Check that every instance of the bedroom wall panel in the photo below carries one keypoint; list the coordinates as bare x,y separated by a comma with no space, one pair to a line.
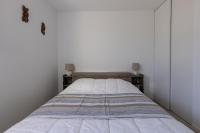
162,54
107,41
28,60
182,58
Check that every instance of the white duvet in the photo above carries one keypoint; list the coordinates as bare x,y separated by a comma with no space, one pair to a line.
101,86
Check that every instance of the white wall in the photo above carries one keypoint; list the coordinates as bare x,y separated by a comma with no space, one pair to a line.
162,54
182,58
196,91
28,60
107,41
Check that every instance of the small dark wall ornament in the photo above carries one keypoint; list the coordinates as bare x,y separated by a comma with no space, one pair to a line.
43,28
25,14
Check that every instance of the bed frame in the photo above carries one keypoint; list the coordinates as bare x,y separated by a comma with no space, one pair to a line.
102,75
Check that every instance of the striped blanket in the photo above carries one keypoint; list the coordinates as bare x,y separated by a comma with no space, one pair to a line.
100,106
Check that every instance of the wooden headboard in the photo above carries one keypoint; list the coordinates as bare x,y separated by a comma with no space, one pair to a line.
102,75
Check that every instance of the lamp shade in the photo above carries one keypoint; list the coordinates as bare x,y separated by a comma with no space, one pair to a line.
69,67
136,66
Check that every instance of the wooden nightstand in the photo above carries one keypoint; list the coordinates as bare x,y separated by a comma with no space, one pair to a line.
138,81
67,80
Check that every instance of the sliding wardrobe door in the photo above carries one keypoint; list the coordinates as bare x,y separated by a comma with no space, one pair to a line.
196,90
162,54
182,58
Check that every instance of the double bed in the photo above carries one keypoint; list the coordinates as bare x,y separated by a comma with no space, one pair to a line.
100,106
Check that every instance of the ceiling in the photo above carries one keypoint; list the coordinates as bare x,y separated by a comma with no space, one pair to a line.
105,5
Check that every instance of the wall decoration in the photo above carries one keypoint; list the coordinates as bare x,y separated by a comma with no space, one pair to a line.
43,28
25,14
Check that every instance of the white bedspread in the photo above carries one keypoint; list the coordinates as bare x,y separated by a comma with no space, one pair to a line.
91,86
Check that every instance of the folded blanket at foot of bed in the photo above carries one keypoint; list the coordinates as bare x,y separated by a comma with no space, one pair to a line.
100,106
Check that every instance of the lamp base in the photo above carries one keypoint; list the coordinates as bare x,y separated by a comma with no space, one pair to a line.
136,73
68,73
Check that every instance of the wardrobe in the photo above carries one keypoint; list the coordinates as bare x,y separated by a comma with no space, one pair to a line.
176,77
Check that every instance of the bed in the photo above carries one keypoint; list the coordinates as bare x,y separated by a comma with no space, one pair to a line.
95,105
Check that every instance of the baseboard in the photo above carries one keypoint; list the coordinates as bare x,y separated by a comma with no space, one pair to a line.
195,128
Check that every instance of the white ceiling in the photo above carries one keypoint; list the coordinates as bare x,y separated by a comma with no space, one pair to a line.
105,5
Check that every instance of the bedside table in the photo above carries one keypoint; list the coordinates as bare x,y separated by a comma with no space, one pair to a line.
138,81
67,80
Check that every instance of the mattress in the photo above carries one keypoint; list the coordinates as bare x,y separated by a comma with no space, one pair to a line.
40,123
